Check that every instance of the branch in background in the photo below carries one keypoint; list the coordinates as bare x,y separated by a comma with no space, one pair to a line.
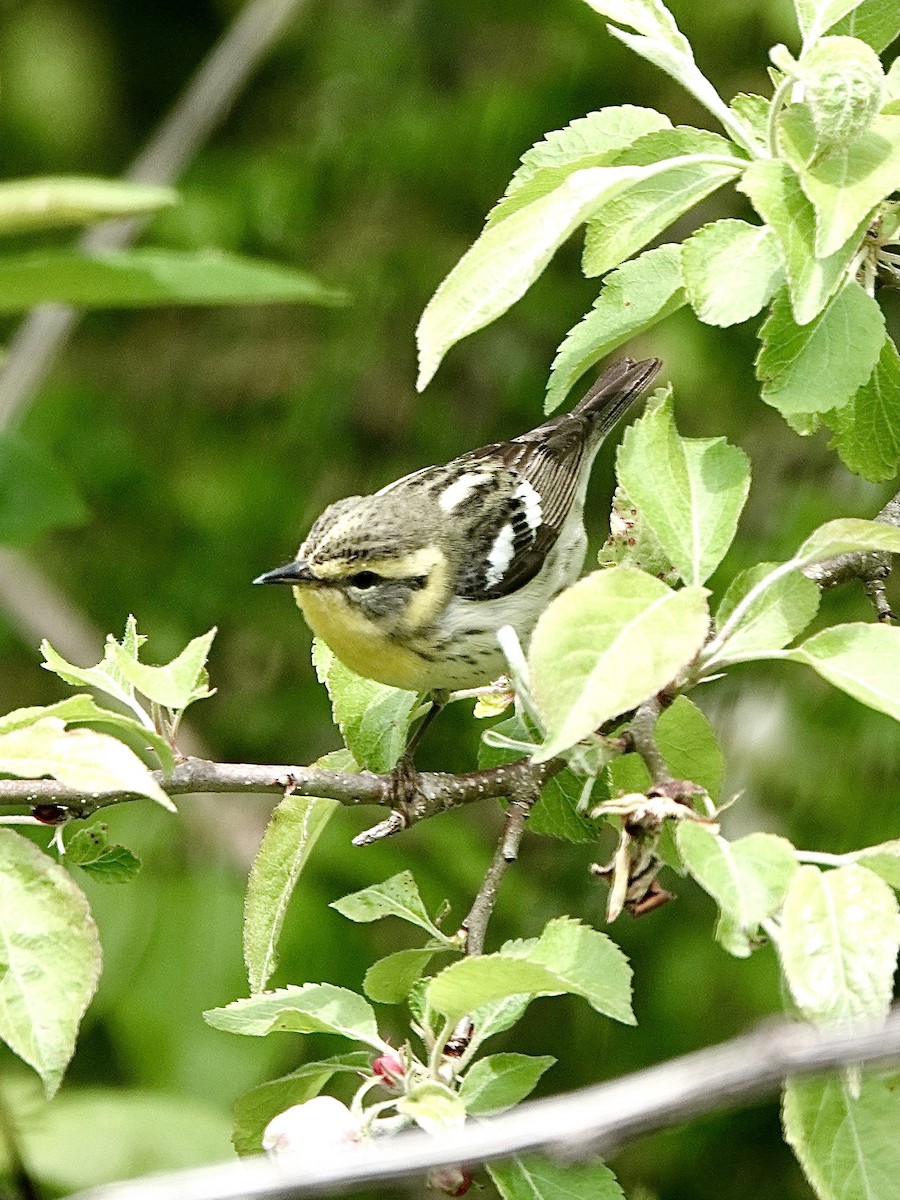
872,569
595,1120
437,791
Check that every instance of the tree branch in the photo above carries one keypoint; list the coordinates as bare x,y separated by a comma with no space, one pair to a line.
592,1121
437,791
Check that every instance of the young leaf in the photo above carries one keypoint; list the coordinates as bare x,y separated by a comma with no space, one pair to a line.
840,931
396,897
567,957
509,255
680,167
650,18
862,660
867,428
312,1008
391,979
433,1106
817,16
536,1178
36,495
691,491
372,717
875,22
731,270
819,366
748,879
845,1138
605,645
636,296
49,958
295,826
80,758
778,614
255,1109
55,202
633,543
843,86
92,850
500,1081
175,685
851,182
591,141
884,860
847,535
497,1016
149,277
687,741
775,192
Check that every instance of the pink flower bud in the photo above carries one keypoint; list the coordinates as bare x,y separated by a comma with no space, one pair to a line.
389,1068
310,1130
452,1181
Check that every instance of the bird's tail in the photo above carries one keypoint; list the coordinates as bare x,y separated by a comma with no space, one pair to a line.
619,385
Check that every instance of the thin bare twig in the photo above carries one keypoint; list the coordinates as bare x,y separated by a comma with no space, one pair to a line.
641,730
591,1121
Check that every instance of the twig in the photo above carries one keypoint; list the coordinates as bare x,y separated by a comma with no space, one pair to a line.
475,925
641,733
205,102
437,791
591,1121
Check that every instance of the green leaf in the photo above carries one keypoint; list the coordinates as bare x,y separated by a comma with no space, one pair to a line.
391,979
49,957
255,1109
776,193
847,535
753,111
35,494
433,1106
591,141
884,860
840,931
819,366
731,270
846,188
55,202
635,297
81,758
670,178
509,255
867,428
497,1016
176,684
150,277
632,541
312,1008
876,22
691,491
687,741
816,16
862,660
650,18
500,1081
748,879
846,1138
567,957
535,1178
779,613
605,645
294,828
107,862
395,897
843,87
373,718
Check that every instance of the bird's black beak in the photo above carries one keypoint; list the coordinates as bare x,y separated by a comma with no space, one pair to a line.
292,573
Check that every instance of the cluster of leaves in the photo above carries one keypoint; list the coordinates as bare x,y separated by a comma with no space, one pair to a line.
818,163
624,636
51,955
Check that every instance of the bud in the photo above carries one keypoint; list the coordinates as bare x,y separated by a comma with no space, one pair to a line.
452,1181
389,1068
310,1130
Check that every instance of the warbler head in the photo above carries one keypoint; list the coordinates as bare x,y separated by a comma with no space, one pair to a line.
370,559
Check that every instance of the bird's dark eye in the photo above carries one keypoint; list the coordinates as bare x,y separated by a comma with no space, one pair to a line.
364,579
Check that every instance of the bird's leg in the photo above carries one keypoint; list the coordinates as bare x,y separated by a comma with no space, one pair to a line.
405,777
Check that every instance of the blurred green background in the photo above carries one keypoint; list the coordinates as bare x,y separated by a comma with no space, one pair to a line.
203,443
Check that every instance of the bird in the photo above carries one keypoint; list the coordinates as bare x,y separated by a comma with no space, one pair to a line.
410,586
